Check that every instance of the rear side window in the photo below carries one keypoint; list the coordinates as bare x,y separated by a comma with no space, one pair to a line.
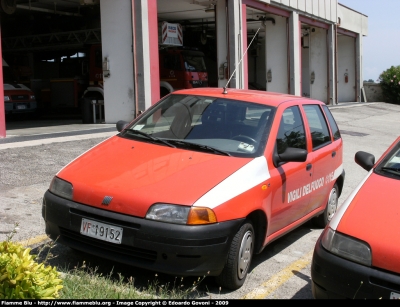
332,123
318,126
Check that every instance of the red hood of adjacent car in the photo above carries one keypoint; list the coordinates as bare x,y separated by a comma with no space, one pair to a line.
374,217
138,174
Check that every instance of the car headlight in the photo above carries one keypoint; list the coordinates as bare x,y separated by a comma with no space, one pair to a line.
181,214
33,97
6,98
346,247
61,188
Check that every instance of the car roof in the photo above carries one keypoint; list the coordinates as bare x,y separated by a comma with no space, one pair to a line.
262,97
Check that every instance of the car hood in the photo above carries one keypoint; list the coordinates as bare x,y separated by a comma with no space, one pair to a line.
138,174
374,217
15,86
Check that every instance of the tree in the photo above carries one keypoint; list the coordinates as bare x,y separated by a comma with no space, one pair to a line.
390,84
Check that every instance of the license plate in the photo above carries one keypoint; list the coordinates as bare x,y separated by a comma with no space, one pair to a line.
20,107
394,296
101,231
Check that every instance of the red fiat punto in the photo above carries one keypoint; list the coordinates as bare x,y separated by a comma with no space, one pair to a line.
358,254
201,181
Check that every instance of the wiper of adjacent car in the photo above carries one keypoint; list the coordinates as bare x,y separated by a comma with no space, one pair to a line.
199,146
392,169
148,136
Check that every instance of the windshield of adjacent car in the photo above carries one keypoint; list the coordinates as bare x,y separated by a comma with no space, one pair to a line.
208,124
390,165
8,75
194,63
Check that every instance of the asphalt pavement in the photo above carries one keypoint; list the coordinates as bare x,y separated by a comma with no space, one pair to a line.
34,151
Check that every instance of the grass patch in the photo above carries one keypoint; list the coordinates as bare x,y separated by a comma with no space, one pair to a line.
87,283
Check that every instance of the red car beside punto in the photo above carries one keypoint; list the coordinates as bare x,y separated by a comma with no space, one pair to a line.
358,253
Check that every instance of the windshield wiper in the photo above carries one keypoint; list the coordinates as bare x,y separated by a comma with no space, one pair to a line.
149,137
391,169
199,146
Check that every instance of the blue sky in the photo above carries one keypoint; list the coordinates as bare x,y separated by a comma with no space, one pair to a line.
381,47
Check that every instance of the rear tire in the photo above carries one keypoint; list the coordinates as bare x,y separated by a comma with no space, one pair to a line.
239,257
330,210
163,92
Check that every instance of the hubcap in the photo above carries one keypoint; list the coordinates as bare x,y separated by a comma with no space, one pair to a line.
332,204
245,251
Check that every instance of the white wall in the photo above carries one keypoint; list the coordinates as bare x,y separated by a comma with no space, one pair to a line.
319,64
373,91
295,55
352,20
116,36
305,72
346,64
326,9
234,11
222,48
276,54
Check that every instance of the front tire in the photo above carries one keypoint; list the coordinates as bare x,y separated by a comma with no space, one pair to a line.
331,208
239,258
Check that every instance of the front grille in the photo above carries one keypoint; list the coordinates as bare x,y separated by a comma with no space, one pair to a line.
19,97
199,83
123,250
386,283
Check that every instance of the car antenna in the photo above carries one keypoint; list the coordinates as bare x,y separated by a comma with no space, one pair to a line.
225,91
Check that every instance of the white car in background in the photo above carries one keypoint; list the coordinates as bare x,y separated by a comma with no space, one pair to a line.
18,98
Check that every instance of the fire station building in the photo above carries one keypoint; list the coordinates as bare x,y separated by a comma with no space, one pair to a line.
310,48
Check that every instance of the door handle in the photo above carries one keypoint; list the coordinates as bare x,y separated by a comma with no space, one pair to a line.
309,166
333,153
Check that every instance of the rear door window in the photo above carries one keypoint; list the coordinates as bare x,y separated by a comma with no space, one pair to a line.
318,127
332,123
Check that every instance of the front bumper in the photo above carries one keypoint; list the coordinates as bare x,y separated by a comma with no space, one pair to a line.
20,107
335,277
162,247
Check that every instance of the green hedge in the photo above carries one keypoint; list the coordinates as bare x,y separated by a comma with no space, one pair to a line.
23,278
390,84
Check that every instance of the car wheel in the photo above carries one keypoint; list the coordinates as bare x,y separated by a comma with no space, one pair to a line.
163,92
331,207
239,258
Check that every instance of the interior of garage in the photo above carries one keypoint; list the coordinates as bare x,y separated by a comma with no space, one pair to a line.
268,59
47,46
47,43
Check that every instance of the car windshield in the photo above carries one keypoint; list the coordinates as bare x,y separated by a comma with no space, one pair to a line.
390,165
194,62
8,75
208,124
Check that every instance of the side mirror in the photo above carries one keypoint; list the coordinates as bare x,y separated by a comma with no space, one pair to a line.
121,125
291,154
365,160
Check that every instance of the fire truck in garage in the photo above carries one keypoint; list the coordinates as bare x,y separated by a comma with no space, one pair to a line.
180,68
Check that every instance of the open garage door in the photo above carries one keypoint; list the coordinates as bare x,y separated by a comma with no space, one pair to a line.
187,44
49,48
